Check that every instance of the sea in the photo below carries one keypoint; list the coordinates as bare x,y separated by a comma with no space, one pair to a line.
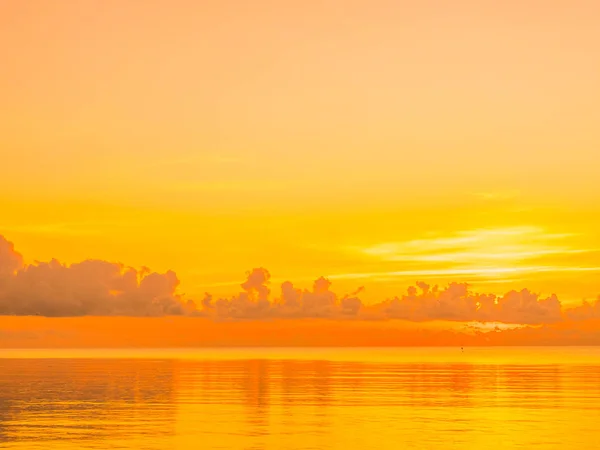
301,398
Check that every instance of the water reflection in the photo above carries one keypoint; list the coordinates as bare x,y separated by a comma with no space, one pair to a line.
255,393
274,403
52,400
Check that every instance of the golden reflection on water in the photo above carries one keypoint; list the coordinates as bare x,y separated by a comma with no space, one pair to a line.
546,398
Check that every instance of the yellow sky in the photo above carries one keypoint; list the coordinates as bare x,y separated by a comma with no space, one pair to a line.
377,143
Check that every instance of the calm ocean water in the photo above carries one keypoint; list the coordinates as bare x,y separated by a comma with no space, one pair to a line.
425,398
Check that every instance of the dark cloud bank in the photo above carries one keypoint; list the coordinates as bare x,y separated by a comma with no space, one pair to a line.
100,288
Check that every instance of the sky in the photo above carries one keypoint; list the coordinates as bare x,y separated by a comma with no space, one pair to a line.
376,144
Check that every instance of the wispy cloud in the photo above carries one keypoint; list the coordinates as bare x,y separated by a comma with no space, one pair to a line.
500,254
478,252
498,195
61,228
198,159
233,185
471,272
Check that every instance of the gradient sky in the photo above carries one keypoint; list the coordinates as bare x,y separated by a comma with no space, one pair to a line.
375,143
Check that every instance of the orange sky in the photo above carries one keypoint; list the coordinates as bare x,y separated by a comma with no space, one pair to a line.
182,332
375,143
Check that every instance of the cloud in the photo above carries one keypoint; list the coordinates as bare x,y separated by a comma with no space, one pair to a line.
87,288
421,303
10,260
101,288
254,303
456,303
585,311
